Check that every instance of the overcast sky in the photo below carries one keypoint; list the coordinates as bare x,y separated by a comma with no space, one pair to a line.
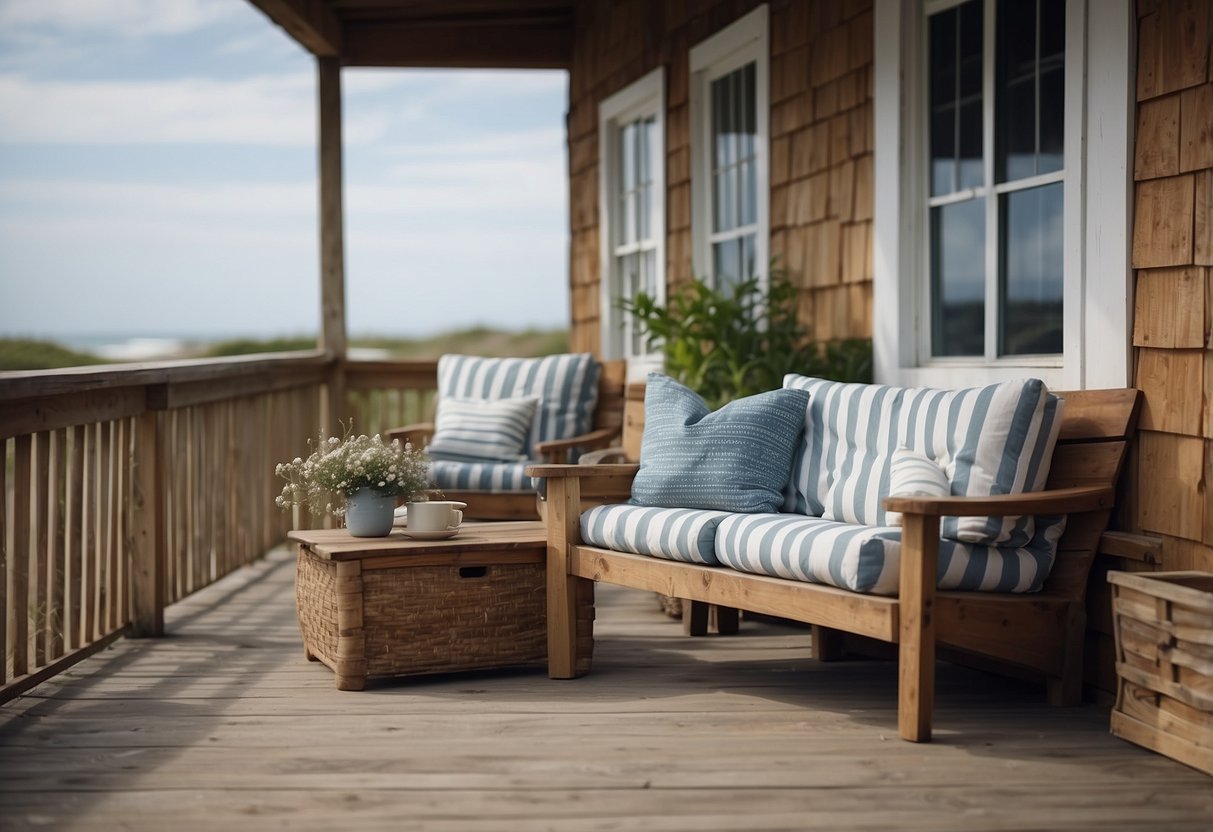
157,177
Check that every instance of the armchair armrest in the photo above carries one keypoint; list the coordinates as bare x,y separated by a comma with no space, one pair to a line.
1052,501
612,454
419,434
557,450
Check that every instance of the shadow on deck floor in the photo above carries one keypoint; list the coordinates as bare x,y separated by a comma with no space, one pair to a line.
223,723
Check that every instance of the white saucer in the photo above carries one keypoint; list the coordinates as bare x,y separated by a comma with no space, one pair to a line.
438,535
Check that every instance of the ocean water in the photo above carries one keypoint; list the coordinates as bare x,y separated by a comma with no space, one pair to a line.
130,347
158,347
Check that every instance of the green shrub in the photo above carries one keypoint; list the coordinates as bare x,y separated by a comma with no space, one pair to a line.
725,345
29,354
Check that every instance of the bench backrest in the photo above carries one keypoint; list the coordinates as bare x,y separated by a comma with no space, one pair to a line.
1091,448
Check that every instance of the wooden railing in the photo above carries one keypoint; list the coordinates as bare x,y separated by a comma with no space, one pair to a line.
388,394
129,487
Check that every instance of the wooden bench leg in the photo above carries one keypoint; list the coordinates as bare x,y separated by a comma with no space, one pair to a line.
916,649
563,510
728,619
827,644
695,617
1066,691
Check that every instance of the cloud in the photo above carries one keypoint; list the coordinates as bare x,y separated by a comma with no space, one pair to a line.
126,18
486,189
267,110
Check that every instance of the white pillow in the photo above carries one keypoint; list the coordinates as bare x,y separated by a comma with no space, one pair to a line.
914,474
482,429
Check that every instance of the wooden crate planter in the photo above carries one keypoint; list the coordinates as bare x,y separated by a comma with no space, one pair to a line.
1164,662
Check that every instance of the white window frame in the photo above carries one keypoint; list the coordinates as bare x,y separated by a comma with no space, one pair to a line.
643,98
744,41
1097,295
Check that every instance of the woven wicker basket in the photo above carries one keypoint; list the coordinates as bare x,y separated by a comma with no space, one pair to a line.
412,620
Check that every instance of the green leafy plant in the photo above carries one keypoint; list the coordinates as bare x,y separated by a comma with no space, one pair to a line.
729,344
340,467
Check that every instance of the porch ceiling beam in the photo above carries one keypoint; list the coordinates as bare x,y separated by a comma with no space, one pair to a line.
310,22
408,44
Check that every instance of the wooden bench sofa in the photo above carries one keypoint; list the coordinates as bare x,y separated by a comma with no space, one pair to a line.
1041,632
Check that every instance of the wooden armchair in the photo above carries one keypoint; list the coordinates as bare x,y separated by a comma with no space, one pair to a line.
525,504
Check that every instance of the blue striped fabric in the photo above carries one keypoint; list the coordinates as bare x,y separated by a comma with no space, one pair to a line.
681,534
1000,439
735,459
868,558
567,387
482,429
915,475
481,476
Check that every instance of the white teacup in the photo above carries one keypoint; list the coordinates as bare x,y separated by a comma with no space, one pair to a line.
435,515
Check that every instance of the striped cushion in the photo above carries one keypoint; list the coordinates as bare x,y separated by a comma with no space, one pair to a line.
867,558
482,429
915,475
736,459
1000,439
567,387
481,476
672,533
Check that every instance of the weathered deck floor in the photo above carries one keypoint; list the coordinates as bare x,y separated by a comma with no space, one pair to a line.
223,724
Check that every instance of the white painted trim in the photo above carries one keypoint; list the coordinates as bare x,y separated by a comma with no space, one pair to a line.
643,97
743,41
1098,282
1111,100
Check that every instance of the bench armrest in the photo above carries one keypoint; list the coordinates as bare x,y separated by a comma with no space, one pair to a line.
557,450
419,434
1053,501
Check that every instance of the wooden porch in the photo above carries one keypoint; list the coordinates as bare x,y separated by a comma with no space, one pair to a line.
224,723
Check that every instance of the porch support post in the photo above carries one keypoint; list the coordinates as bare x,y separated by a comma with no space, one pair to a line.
332,235
147,529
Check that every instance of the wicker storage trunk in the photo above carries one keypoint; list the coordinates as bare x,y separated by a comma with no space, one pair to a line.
381,609
1164,661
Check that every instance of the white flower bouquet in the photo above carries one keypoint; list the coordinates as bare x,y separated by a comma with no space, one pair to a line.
343,466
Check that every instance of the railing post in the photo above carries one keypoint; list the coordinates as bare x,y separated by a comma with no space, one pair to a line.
147,529
332,237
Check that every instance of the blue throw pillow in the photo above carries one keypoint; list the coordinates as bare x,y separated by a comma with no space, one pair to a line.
738,458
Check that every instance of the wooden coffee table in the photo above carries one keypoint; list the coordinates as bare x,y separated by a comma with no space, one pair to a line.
380,607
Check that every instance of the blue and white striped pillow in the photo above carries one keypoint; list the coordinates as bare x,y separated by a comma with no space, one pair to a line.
482,429
735,459
1000,439
567,387
915,475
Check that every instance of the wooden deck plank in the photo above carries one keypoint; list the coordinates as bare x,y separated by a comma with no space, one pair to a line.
223,722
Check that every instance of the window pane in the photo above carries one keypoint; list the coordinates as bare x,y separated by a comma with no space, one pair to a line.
971,167
627,157
1052,121
749,193
726,263
958,282
943,150
748,270
1052,85
1029,89
719,130
956,101
1031,269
